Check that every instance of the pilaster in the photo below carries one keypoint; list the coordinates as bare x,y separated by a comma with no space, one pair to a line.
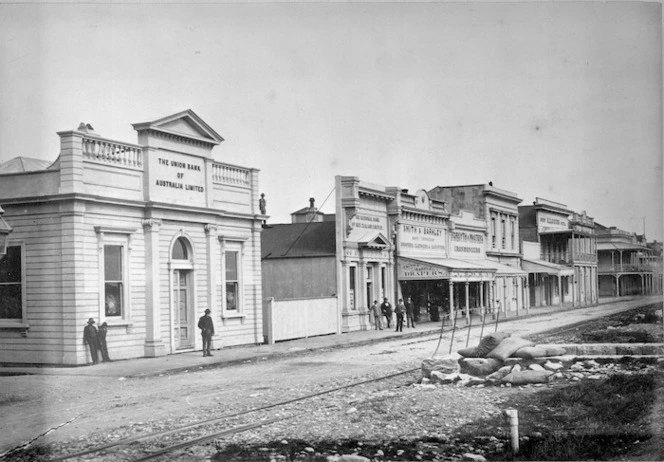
71,162
154,345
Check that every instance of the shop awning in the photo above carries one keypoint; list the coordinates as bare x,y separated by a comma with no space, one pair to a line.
541,266
442,268
504,270
618,247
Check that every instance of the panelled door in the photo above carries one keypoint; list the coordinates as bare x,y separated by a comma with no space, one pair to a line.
182,309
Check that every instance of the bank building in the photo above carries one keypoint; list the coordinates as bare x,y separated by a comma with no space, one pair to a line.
143,236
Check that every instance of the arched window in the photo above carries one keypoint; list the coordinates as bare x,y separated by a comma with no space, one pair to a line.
179,251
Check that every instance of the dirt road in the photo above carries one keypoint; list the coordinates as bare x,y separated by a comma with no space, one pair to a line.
95,408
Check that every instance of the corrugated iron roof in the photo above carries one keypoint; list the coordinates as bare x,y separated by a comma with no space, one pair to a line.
316,239
24,164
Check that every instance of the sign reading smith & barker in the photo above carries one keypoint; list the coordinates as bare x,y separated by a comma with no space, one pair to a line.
178,178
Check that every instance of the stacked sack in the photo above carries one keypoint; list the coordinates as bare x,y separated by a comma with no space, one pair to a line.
486,359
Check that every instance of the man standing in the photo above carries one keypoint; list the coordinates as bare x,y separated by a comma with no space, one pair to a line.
206,326
90,337
400,311
375,310
103,347
386,309
410,313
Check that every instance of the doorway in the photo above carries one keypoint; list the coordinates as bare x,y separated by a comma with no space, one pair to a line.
182,309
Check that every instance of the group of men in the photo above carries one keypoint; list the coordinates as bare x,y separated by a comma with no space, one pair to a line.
402,310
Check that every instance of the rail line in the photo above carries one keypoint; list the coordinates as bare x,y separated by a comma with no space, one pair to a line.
221,419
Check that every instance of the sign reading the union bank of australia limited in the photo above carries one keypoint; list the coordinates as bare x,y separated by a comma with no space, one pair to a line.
421,241
177,178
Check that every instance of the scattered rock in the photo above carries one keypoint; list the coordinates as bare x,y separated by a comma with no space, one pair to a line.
551,366
469,456
446,364
479,366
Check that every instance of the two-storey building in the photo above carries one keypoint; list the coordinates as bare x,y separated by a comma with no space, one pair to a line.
143,236
560,255
627,265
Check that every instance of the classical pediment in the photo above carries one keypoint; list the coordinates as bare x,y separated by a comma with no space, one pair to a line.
374,241
186,124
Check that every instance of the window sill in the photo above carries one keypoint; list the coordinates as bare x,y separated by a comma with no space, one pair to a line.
117,323
14,325
23,327
231,315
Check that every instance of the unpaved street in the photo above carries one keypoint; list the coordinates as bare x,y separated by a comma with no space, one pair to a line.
101,406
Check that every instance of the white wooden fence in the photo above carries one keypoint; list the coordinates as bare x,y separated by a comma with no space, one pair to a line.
300,318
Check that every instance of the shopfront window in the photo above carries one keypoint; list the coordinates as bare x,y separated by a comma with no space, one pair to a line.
11,285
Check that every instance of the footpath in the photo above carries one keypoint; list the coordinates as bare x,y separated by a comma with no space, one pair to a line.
190,361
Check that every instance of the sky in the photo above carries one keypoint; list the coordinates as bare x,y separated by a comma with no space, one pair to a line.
559,100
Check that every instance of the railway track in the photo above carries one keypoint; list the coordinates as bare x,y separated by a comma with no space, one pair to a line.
226,421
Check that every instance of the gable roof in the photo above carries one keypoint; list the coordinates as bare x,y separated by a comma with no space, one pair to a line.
186,124
24,164
315,239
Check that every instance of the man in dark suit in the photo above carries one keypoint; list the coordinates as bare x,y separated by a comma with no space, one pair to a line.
386,309
206,326
90,337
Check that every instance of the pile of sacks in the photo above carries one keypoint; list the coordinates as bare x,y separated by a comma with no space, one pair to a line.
487,360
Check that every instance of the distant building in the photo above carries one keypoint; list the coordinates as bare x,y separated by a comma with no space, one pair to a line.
627,264
559,253
141,236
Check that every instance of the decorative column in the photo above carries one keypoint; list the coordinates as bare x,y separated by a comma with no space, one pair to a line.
560,291
154,346
467,284
516,293
494,300
451,287
213,268
482,288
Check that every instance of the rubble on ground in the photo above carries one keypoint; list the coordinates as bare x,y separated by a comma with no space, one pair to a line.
504,360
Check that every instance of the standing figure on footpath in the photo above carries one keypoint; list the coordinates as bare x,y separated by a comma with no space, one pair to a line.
206,326
375,310
410,313
386,309
90,337
400,311
101,335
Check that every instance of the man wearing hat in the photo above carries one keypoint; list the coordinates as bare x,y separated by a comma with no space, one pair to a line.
90,337
206,326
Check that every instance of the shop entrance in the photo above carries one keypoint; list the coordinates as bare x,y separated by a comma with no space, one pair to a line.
182,308
430,297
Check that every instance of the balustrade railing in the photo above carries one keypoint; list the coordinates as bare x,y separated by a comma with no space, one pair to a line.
111,152
230,175
625,268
